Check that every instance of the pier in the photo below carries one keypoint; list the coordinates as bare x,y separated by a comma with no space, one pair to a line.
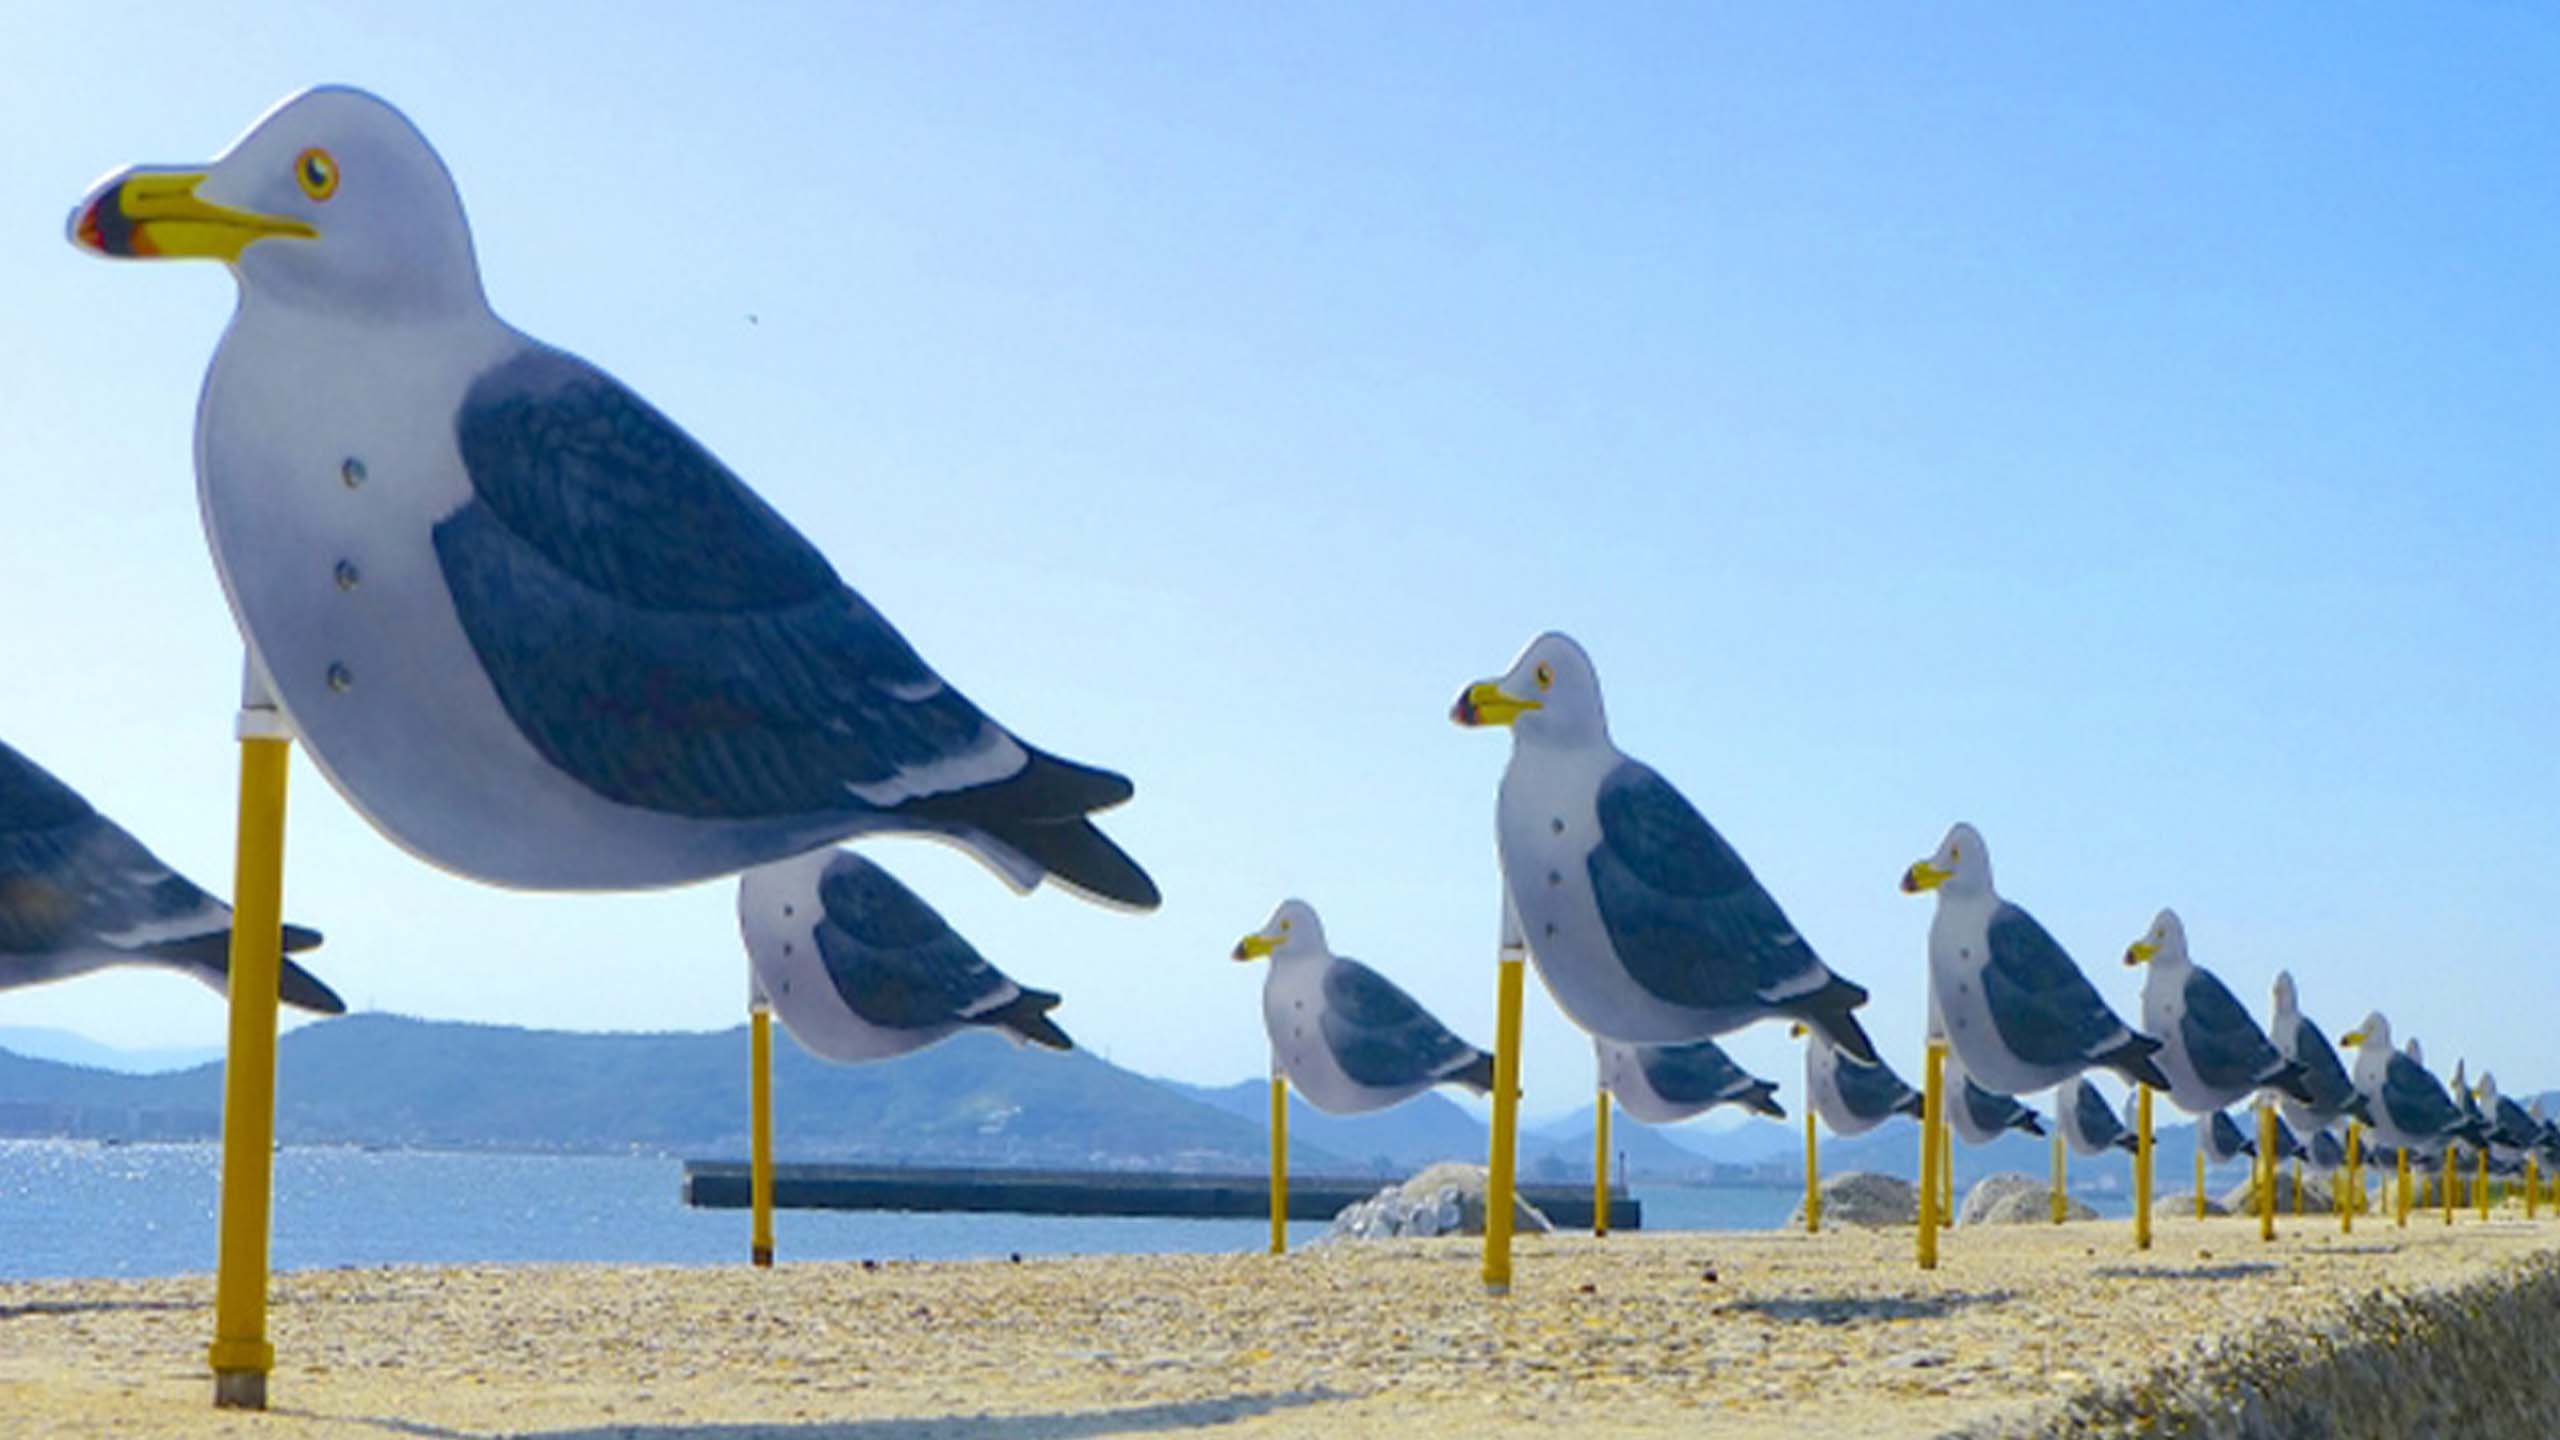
722,1185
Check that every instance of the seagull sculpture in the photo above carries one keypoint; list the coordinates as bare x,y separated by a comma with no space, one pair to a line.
858,967
2333,1093
1346,1036
78,894
2004,993
1665,1084
2212,1052
1646,926
2410,1109
2088,1122
1851,1096
532,630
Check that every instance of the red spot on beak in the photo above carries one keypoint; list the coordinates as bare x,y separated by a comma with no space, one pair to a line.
1463,712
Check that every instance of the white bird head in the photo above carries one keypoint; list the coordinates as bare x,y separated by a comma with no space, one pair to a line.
2373,1035
333,202
2163,945
2286,1003
2487,1093
1292,932
1961,866
1550,695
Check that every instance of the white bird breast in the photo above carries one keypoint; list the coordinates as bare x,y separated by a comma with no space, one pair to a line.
778,914
325,457
1959,950
1546,823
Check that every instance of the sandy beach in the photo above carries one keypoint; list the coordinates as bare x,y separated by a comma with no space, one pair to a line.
1755,1334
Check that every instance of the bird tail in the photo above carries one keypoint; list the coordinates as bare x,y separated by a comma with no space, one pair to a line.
1476,1074
1827,1009
1039,813
1026,1018
208,958
2295,1081
1762,1099
1915,1105
2127,1143
2360,1109
2132,1060
2028,1122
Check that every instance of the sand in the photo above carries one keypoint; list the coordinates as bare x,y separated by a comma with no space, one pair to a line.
1639,1334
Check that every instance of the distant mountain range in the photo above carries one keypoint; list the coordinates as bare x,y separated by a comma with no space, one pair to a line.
388,1080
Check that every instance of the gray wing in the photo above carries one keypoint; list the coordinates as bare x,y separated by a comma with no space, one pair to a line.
2226,1047
2227,1138
2326,1152
1872,1092
1692,1074
2046,1011
71,877
2323,1073
1682,911
893,959
2515,1124
662,635
2089,1110
2415,1100
1379,1036
1993,1113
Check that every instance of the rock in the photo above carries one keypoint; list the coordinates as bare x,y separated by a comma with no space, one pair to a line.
2183,1202
1859,1197
2011,1198
1992,1190
1446,1199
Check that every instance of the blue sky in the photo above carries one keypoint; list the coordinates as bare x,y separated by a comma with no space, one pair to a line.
2130,432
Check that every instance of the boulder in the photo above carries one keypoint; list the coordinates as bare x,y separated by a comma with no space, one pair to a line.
2011,1198
1859,1197
1445,1199
2183,1202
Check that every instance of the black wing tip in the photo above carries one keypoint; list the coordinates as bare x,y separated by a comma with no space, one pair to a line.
2133,1061
303,990
1830,1008
1763,1100
298,938
1027,1016
2294,1079
1079,856
2126,1143
1915,1105
2028,1122
1476,1074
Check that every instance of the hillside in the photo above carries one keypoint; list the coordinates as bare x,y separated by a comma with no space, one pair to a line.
390,1080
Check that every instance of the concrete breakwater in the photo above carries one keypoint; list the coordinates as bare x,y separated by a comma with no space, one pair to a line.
2473,1357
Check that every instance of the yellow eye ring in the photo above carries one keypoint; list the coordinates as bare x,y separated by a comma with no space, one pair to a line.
1546,675
316,171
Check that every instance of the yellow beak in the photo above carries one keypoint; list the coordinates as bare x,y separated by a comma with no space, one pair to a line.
2351,1038
1254,947
1486,703
2139,951
154,214
1796,1031
1923,876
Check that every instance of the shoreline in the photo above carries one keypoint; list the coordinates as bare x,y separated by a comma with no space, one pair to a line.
1754,1332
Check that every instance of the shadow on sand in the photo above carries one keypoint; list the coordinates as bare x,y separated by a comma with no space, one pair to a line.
87,1307
1077,1425
1851,1310
2236,1270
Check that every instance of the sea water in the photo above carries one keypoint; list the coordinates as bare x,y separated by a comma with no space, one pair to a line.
77,1208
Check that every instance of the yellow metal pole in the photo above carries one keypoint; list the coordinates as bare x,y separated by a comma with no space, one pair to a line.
2268,1169
2141,1166
1280,1162
240,1354
1933,1117
2348,1179
2297,1187
2480,1183
2200,1171
1812,1176
2401,1209
1600,1163
2449,1165
760,1133
1506,1125
1946,1169
2061,1200
2532,1188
